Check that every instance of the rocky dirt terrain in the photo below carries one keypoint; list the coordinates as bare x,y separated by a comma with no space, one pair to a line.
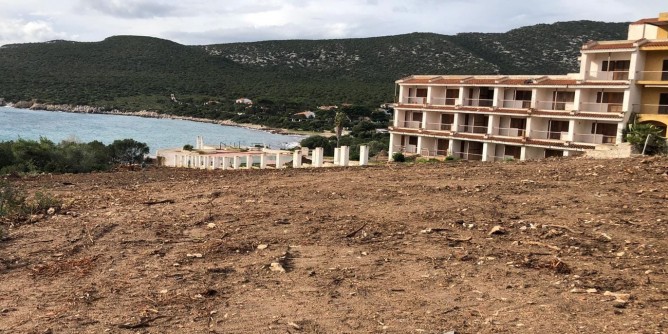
555,246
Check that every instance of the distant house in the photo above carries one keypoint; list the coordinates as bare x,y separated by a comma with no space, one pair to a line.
301,116
328,108
306,114
243,100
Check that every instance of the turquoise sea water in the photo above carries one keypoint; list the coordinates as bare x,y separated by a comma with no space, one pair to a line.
157,133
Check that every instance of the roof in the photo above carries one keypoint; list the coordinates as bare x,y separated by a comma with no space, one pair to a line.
609,46
653,21
656,44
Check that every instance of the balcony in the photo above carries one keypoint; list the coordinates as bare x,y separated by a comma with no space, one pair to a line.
652,76
468,156
477,129
654,109
443,101
594,139
556,106
601,107
516,104
433,153
410,124
550,135
415,100
608,75
439,126
478,102
509,132
410,149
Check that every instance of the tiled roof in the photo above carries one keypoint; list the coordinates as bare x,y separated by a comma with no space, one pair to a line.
416,81
647,21
446,81
610,46
655,44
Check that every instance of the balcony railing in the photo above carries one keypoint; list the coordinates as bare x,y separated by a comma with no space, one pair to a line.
653,76
439,126
601,107
415,100
478,102
410,124
594,139
552,135
443,101
433,153
472,129
412,149
516,104
509,132
553,105
608,75
660,109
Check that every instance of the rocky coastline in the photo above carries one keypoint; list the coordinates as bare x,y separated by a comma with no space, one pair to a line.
84,109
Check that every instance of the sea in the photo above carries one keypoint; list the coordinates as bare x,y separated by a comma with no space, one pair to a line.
157,133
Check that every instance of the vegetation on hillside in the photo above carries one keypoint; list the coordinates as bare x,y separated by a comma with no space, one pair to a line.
134,73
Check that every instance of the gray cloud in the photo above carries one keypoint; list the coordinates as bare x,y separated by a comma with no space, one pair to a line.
133,9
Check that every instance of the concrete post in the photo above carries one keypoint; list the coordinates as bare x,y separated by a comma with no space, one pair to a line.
318,156
249,161
344,156
337,155
225,163
263,160
237,162
305,151
278,161
297,159
364,155
390,151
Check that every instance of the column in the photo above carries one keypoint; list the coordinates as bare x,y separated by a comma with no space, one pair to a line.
488,151
226,163
571,130
418,148
318,156
492,123
237,162
390,151
279,165
364,155
455,122
263,160
249,161
344,156
523,153
297,159
337,155
498,97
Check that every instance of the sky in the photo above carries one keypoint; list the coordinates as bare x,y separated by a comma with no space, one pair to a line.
199,22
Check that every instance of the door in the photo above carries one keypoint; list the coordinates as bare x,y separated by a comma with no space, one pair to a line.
442,146
556,128
664,71
446,121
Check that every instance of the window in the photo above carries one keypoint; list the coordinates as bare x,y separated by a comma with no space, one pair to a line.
613,99
619,68
451,96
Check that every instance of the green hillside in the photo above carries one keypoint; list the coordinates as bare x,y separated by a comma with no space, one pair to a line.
129,72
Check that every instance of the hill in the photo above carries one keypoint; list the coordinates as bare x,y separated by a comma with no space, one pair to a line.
130,72
384,249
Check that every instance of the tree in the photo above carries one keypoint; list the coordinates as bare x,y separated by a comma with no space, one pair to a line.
128,151
639,134
339,119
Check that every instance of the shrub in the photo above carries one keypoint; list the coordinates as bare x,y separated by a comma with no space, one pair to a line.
450,158
14,203
639,134
188,147
398,157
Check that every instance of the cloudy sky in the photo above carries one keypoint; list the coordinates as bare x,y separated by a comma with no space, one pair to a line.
221,21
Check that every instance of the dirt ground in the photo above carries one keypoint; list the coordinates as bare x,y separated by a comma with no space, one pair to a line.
580,247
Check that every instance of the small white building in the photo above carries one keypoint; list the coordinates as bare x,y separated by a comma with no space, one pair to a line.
243,100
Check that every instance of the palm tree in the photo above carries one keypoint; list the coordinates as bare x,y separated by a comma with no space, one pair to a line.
646,138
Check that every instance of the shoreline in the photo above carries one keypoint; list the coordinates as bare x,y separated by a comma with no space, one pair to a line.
153,114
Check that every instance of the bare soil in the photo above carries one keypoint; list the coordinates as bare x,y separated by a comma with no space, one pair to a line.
580,247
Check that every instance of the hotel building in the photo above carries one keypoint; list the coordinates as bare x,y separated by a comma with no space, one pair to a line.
496,117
